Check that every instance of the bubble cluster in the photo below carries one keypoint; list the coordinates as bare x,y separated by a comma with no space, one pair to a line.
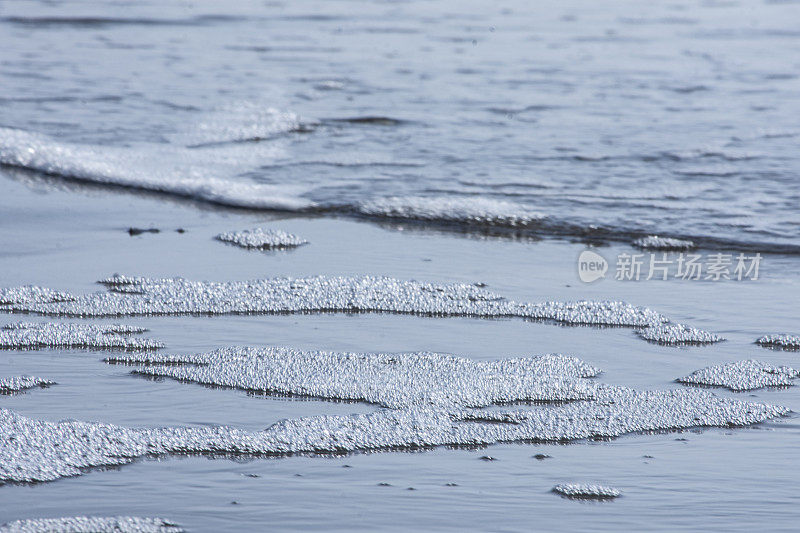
265,239
585,491
742,375
469,211
431,400
654,242
91,524
129,296
782,340
21,383
33,335
31,294
602,313
675,334
390,380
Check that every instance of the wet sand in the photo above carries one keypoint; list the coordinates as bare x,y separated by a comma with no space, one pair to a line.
68,240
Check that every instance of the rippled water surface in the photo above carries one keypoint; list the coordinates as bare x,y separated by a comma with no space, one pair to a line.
443,160
669,117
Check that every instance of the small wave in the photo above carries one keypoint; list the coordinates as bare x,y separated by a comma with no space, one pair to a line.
239,122
747,33
368,120
688,89
60,99
709,172
301,49
347,163
639,21
218,171
171,170
701,154
117,21
521,110
471,211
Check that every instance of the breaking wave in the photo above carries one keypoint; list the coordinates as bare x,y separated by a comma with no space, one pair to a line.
212,161
179,171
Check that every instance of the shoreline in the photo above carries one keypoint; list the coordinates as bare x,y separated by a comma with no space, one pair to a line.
68,241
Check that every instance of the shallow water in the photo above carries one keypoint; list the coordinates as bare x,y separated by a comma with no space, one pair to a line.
443,143
675,118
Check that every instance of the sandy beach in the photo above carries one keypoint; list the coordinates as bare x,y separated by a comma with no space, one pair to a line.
401,267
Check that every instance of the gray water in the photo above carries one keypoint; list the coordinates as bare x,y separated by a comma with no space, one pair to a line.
675,118
612,121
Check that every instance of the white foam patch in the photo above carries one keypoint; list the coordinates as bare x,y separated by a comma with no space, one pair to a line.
742,375
22,383
266,239
238,122
590,313
782,340
36,450
142,296
654,242
675,334
30,293
586,491
396,381
177,170
91,524
30,335
474,211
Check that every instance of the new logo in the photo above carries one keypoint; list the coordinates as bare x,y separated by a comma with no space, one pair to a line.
591,266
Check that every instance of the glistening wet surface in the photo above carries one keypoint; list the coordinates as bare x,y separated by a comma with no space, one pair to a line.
447,163
687,468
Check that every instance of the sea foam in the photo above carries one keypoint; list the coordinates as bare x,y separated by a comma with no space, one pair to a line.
265,239
33,335
742,375
654,242
91,524
783,340
134,296
583,491
471,211
389,380
174,170
144,296
677,334
36,450
22,383
423,400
